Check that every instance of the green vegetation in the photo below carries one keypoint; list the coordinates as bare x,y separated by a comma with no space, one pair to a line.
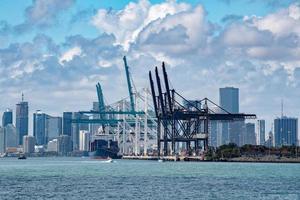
231,150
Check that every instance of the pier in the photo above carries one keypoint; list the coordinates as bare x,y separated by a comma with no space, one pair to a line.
165,158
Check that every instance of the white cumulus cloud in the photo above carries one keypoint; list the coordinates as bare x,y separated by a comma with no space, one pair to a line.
69,55
126,24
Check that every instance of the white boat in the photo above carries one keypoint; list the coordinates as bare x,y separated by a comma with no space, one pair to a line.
161,160
109,161
3,155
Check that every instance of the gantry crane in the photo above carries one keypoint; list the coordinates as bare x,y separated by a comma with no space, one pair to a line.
129,85
130,117
178,123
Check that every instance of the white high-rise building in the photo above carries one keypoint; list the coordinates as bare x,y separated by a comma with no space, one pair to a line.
261,132
52,146
28,144
84,140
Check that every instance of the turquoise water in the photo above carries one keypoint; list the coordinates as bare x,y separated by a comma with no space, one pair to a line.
82,178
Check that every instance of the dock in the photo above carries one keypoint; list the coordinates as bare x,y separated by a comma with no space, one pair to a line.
165,158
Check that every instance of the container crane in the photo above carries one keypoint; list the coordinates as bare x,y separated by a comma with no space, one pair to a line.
178,123
100,101
130,89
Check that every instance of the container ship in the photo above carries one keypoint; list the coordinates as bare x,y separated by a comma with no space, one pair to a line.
102,147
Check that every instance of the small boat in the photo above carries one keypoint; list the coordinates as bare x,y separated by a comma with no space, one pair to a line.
3,155
104,160
108,161
22,157
161,160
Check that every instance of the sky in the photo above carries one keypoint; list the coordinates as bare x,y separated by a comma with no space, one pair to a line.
56,51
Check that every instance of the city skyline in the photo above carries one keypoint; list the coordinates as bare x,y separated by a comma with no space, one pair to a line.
228,100
54,66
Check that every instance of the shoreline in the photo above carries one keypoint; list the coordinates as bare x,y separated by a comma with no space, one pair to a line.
200,159
190,159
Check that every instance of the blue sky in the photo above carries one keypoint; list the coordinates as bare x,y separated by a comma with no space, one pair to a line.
56,51
13,13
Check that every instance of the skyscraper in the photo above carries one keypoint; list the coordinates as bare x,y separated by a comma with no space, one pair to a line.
64,144
7,117
84,141
249,137
22,119
53,127
39,127
11,137
46,127
28,144
75,131
285,131
77,127
2,140
229,99
95,127
215,130
231,131
261,132
67,123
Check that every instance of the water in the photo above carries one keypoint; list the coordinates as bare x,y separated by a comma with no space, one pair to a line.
82,178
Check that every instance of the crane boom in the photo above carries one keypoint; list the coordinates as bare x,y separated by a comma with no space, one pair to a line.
100,100
130,90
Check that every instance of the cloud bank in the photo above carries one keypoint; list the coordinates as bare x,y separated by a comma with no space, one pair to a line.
258,54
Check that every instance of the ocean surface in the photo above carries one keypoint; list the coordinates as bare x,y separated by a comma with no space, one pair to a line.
82,178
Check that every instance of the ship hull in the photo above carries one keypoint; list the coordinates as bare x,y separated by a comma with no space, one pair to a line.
103,149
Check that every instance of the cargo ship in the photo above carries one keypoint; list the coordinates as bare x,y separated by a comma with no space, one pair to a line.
104,148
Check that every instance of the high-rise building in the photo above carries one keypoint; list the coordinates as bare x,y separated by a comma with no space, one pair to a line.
11,137
52,146
77,127
231,132
75,131
84,140
28,144
236,131
214,136
249,137
22,119
269,141
39,127
64,144
286,131
67,123
95,127
229,99
2,140
46,127
261,132
53,127
7,117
